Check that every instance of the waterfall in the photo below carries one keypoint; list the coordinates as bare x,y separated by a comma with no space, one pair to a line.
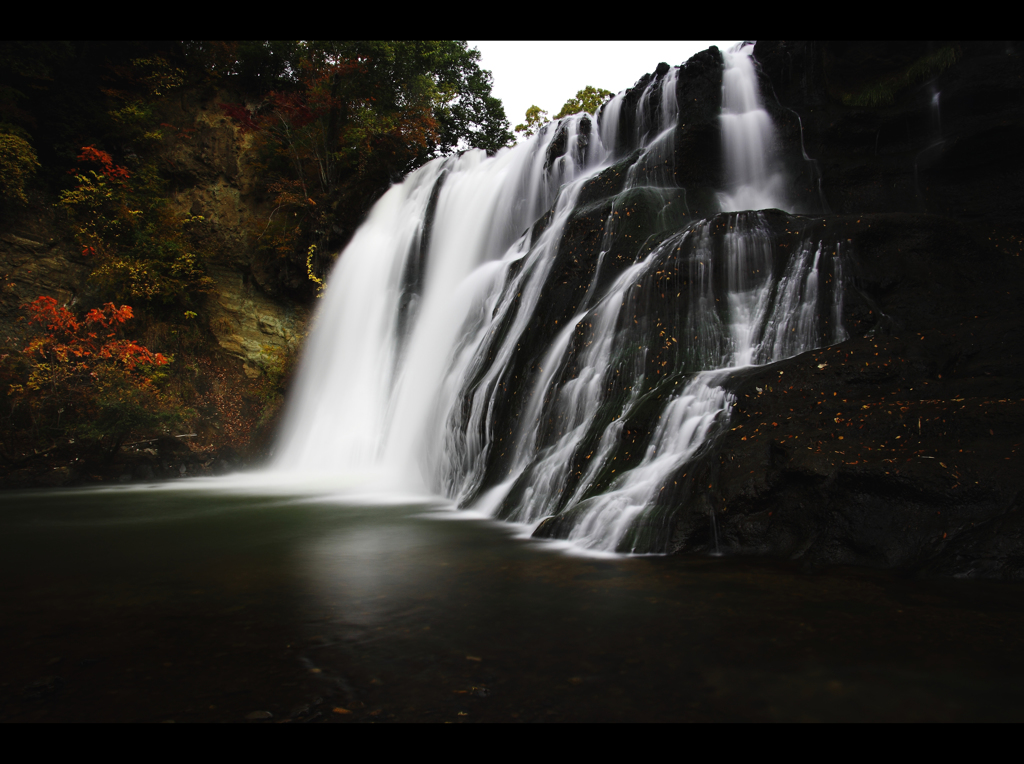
751,181
462,350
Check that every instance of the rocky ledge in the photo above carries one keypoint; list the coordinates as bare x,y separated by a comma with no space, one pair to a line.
75,464
899,447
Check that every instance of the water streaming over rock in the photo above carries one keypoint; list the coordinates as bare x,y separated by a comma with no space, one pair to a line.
752,183
500,333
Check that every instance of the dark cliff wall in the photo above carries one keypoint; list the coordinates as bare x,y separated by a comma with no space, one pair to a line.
902,127
901,446
248,325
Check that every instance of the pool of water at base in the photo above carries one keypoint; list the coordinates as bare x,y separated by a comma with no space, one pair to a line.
151,604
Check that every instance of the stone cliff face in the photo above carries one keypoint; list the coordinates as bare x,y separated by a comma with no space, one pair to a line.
248,313
901,446
248,330
32,262
944,139
253,322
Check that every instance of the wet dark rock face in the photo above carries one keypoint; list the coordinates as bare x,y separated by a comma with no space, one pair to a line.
901,446
949,143
699,166
79,464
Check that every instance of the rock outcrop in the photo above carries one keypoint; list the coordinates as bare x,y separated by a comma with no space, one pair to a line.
900,446
254,322
34,262
250,326
902,127
251,317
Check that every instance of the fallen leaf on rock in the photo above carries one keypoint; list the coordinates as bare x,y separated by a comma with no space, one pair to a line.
340,710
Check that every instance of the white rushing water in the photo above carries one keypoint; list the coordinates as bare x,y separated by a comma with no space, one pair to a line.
411,377
752,182
376,382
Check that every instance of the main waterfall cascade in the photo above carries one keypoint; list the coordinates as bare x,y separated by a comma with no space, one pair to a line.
433,367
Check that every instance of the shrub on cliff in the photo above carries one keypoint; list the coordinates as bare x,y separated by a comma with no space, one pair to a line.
83,378
121,220
18,163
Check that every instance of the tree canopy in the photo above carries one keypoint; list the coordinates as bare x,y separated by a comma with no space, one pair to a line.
442,75
588,100
536,117
338,121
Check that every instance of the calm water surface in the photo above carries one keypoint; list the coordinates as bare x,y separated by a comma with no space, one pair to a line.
208,604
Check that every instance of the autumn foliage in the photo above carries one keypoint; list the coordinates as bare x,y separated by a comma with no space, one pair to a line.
121,220
110,171
348,120
66,340
82,377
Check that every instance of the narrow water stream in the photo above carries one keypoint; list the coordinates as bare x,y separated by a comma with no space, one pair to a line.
171,603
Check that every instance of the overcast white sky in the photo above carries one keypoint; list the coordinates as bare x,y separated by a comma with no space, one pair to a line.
548,73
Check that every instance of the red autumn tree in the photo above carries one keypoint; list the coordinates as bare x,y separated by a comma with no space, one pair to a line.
86,379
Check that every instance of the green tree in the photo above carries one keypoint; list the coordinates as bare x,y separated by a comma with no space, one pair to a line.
589,100
355,117
122,222
536,118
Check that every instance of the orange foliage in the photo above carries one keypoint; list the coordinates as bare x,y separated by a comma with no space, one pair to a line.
113,172
67,337
79,377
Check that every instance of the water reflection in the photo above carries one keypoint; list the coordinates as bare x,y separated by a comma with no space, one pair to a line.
211,605
365,574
